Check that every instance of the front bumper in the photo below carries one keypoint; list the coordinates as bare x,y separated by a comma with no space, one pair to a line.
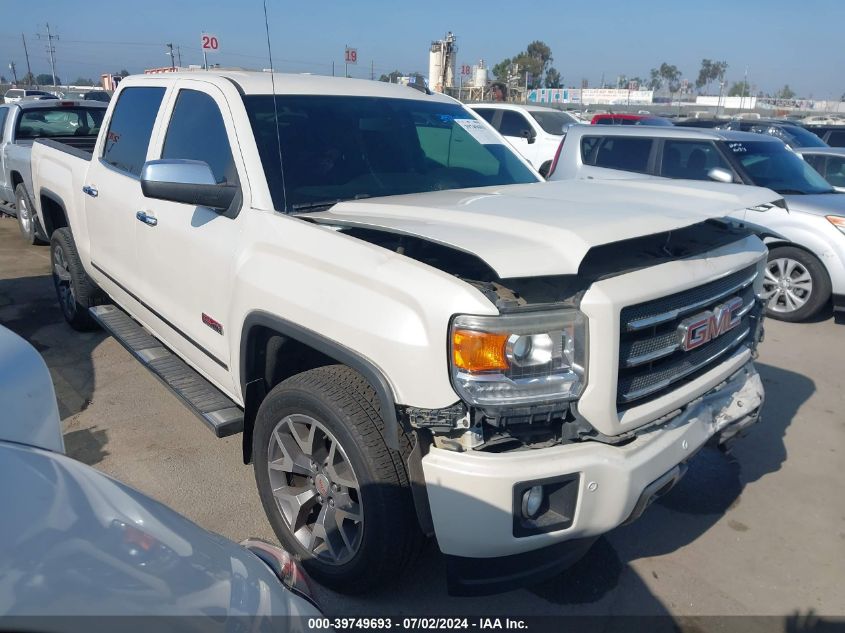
471,494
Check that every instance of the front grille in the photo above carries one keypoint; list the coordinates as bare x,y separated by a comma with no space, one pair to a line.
651,359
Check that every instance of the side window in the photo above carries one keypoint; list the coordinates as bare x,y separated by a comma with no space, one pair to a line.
197,132
513,124
3,113
627,153
692,160
816,161
836,138
487,114
605,121
130,128
589,144
835,174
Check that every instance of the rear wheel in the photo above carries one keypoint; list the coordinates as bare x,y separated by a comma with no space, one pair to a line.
334,493
796,285
27,220
74,289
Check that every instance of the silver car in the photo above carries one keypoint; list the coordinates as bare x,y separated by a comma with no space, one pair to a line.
75,123
74,542
805,236
829,162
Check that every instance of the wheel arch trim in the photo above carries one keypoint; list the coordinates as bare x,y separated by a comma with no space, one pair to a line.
339,352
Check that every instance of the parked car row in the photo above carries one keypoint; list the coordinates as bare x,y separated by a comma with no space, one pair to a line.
414,333
804,234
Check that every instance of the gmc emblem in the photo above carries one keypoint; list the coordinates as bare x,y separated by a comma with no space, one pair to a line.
702,328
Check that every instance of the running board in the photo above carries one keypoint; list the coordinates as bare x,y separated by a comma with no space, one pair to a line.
217,410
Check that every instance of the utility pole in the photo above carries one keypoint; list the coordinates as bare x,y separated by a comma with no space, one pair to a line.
172,59
14,72
372,71
26,54
51,50
332,68
179,56
744,85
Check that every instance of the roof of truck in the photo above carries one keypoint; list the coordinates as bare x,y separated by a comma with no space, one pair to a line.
252,82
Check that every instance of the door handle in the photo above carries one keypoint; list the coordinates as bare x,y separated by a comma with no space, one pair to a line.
91,191
146,219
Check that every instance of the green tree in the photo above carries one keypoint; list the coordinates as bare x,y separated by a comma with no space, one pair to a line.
391,77
786,93
82,81
501,71
47,80
124,73
535,60
553,78
29,79
739,89
671,77
655,81
710,71
2,79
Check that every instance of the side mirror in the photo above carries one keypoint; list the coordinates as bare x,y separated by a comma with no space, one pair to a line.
528,134
545,168
186,181
720,175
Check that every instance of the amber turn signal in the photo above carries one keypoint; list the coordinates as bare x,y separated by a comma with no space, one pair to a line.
479,351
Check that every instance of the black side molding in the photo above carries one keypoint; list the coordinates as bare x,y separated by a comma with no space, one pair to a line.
334,350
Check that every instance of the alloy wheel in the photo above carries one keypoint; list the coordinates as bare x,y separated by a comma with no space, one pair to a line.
63,283
787,285
315,489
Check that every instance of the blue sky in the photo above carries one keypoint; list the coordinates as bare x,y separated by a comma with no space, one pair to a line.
780,42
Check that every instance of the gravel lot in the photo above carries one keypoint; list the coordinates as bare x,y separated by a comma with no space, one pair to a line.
759,532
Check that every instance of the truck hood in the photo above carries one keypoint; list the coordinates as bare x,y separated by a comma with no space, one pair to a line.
818,204
546,228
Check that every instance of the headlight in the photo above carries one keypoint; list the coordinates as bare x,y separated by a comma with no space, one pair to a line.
517,359
838,221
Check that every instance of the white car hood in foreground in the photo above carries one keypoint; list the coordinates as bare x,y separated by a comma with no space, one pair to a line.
547,228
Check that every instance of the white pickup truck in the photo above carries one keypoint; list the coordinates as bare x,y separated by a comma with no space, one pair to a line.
414,333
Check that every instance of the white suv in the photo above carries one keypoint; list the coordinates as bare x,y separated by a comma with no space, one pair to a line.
534,131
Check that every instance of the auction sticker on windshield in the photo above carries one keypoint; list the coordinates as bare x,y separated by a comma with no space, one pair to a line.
477,130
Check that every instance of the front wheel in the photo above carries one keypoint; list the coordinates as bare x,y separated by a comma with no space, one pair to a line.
796,285
334,493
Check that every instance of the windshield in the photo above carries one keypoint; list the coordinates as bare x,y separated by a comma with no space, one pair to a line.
553,122
59,121
341,148
799,137
771,164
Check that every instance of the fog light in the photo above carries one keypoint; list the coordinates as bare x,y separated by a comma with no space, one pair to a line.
532,499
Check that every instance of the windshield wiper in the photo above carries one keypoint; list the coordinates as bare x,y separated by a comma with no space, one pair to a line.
325,204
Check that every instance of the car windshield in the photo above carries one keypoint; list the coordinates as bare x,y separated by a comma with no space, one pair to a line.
771,164
553,122
59,122
342,148
802,137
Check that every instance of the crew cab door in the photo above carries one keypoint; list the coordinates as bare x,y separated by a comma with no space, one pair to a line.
187,252
112,189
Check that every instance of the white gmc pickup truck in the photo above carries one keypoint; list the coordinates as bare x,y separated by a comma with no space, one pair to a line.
414,333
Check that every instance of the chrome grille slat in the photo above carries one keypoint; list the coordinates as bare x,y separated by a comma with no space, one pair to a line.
652,359
689,365
633,325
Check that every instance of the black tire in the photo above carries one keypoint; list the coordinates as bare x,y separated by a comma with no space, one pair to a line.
544,169
820,291
341,400
75,291
27,219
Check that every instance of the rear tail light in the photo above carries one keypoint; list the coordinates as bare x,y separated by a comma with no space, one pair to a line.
286,568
